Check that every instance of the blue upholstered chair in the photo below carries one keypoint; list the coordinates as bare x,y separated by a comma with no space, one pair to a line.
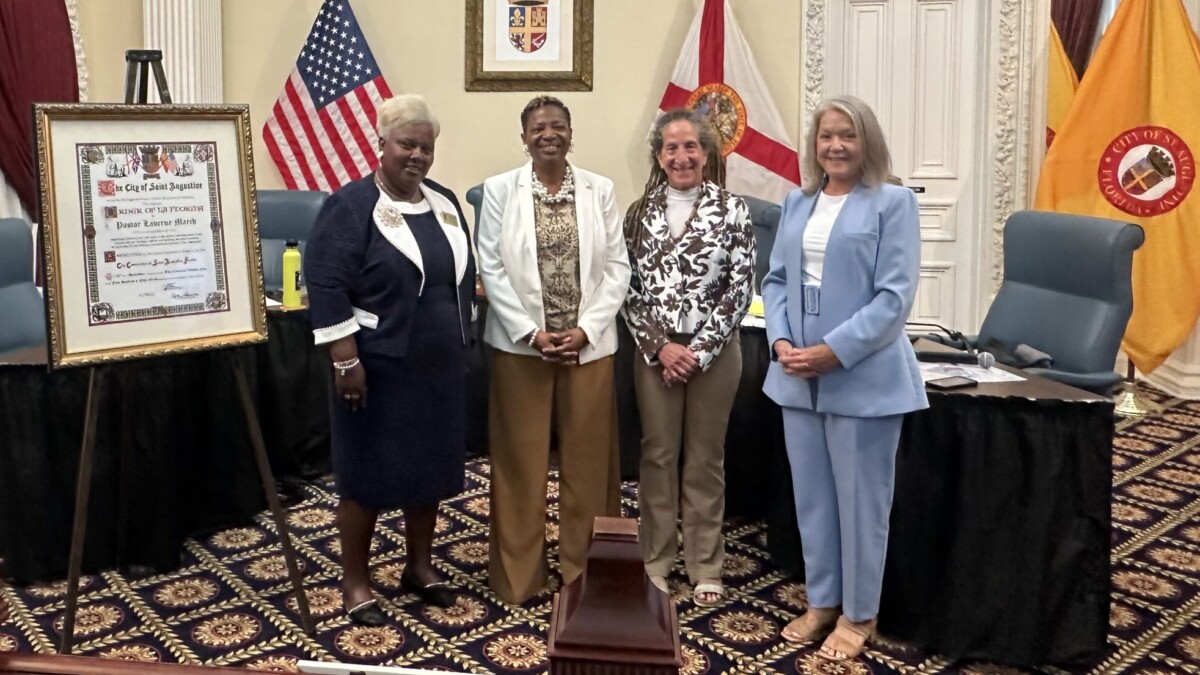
283,215
21,306
1067,291
764,215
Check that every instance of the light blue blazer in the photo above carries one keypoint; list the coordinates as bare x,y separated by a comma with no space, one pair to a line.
869,280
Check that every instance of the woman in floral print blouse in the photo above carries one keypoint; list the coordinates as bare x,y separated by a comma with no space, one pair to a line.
691,247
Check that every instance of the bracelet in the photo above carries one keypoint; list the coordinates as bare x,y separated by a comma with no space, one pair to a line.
533,336
344,367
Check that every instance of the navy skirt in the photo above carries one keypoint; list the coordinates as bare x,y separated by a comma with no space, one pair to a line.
407,448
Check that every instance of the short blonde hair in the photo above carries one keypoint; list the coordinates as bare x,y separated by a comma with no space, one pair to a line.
404,109
876,160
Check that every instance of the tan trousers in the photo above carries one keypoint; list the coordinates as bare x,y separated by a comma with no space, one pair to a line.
524,393
693,417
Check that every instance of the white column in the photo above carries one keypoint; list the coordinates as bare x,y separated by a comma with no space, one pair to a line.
189,34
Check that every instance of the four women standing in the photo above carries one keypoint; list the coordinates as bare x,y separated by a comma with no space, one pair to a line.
390,277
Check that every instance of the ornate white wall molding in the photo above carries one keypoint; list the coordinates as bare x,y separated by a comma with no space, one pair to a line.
1016,121
812,54
189,34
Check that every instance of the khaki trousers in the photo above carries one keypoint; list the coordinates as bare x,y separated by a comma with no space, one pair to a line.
692,417
525,394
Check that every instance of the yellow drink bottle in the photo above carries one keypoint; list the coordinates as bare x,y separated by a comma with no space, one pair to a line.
291,275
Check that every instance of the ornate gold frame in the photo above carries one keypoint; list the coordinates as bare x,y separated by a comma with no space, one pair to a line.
45,118
579,78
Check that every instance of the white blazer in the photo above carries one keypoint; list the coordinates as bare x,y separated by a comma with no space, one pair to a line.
507,252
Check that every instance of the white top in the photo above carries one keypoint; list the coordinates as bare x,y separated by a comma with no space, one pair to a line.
680,205
409,208
816,235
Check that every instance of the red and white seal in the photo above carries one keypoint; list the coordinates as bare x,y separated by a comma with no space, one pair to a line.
1147,171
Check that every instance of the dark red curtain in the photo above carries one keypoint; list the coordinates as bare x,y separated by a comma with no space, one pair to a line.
1076,23
37,65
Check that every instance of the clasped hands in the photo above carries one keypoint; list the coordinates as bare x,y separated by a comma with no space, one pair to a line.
679,363
562,348
805,362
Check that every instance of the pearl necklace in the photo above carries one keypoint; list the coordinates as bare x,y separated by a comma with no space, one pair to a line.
565,194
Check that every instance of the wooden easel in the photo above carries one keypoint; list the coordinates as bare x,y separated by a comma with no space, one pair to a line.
139,63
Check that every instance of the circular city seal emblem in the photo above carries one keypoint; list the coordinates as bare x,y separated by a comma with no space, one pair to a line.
724,110
1146,171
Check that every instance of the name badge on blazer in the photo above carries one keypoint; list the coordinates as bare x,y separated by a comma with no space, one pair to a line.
449,218
812,300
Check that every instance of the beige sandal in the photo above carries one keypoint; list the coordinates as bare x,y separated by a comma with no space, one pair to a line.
811,626
708,587
847,641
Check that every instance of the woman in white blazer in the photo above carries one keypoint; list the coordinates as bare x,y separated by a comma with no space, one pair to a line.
553,264
843,276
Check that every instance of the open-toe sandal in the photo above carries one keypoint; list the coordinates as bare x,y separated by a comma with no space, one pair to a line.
809,627
708,587
847,640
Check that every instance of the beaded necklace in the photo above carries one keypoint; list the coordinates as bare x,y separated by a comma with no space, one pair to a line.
566,193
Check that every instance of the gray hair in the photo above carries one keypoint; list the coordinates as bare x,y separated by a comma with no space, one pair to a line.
404,109
704,131
876,160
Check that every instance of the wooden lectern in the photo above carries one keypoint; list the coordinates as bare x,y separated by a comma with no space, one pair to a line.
612,620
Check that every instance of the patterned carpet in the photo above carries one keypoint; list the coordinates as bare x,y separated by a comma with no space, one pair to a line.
229,603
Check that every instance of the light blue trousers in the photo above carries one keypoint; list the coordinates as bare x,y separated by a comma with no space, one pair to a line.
843,474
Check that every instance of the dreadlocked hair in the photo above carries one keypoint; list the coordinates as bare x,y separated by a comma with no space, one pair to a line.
714,167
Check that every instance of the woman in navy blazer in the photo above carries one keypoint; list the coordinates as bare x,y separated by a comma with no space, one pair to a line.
843,277
390,283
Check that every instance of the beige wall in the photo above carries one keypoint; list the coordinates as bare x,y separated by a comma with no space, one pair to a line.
419,46
108,28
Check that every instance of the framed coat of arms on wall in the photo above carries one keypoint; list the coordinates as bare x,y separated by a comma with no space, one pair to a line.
529,45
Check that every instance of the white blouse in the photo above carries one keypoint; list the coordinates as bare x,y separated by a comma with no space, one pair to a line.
816,235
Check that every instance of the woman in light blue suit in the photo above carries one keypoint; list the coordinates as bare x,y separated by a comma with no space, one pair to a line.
843,277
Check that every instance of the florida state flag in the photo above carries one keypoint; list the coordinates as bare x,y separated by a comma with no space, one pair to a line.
1126,151
717,76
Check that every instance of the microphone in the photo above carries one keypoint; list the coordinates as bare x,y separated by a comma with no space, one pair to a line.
953,334
982,359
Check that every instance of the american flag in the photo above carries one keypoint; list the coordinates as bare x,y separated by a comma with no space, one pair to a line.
321,132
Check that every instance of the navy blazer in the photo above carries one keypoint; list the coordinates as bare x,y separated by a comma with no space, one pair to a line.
357,277
869,281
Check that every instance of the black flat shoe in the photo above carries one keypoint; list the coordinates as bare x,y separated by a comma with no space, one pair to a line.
368,614
438,593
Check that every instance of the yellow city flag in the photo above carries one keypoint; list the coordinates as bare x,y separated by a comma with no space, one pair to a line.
1061,83
1125,152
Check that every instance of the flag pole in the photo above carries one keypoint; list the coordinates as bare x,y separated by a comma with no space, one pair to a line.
1131,403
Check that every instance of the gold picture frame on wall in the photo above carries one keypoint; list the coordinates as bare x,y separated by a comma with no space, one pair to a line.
529,45
149,230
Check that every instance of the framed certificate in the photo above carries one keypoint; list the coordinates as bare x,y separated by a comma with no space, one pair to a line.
149,230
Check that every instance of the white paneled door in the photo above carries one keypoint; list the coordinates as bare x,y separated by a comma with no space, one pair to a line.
917,62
